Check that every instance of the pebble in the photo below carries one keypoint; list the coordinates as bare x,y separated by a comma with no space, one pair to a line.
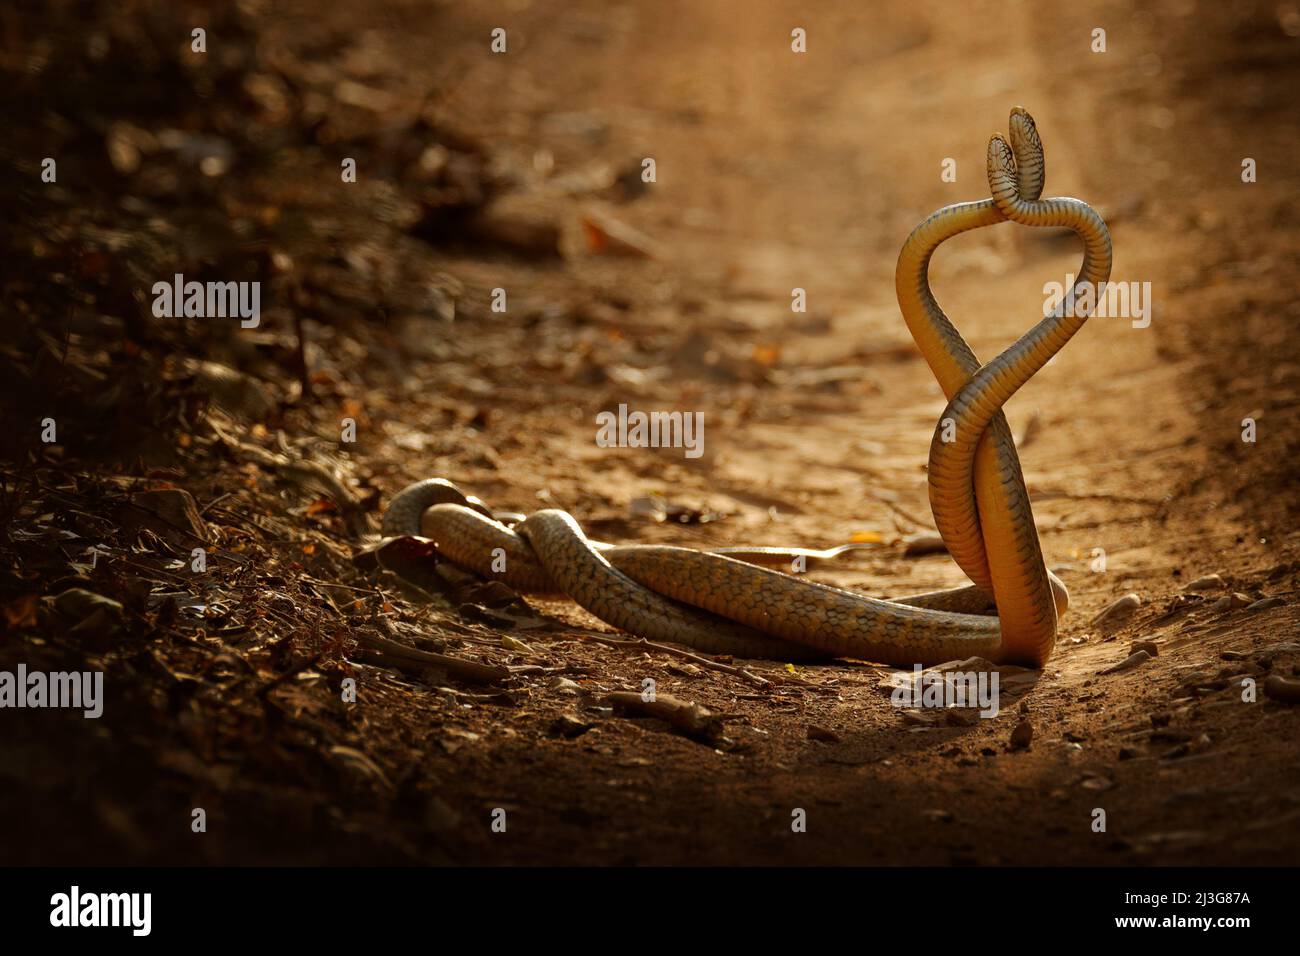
823,733
1133,660
562,685
1263,604
1117,610
1148,646
1209,582
1282,689
1230,602
566,725
1022,736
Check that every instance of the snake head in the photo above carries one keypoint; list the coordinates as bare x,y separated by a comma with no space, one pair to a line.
1028,149
1002,171
1024,131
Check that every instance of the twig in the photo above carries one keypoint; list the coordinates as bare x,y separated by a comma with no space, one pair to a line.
691,719
643,644
392,654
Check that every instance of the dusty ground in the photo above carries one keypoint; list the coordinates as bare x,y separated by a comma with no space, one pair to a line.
775,171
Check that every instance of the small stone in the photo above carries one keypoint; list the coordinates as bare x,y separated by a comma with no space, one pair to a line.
1135,659
562,685
513,644
1210,582
1231,602
1282,689
1022,736
1117,611
1264,604
568,726
1148,646
1128,753
938,816
492,594
824,734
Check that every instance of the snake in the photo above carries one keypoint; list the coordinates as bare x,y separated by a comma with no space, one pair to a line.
730,601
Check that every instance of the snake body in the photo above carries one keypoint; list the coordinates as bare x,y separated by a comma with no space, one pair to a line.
726,602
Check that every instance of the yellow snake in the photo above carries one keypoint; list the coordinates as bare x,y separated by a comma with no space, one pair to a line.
724,601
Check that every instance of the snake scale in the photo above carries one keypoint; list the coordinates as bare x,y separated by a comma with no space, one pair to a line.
726,602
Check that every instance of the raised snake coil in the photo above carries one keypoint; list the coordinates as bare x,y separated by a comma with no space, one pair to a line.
725,602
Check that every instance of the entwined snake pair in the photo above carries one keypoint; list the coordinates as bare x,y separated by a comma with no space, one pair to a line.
725,602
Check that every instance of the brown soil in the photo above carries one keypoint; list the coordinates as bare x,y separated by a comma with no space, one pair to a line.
775,171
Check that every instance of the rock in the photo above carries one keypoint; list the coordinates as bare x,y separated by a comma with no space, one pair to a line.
823,734
1117,612
1148,646
960,716
568,726
1022,736
493,595
1210,582
566,687
90,618
1129,753
1135,659
1263,604
1282,689
938,816
513,644
1231,602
